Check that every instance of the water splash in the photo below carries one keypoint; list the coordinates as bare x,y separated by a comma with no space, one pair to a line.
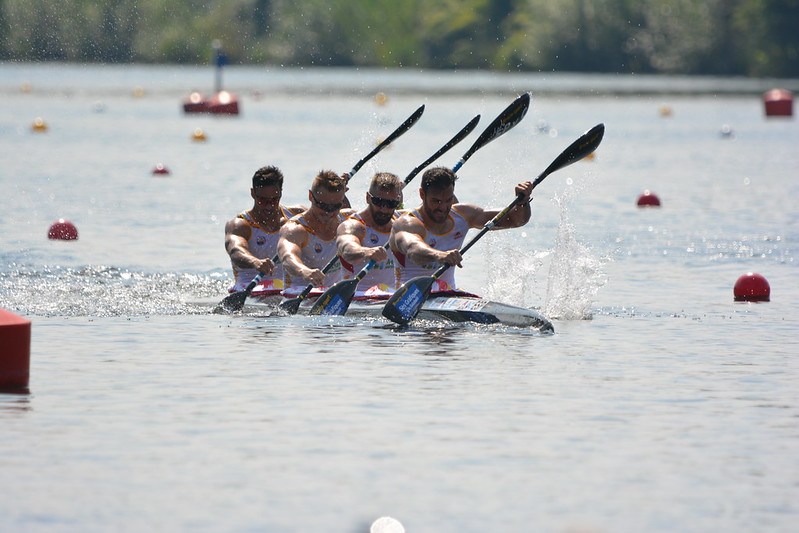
575,273
101,291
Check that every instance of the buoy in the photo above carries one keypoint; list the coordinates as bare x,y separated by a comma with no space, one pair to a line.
198,135
138,92
195,103
752,287
591,156
160,169
39,125
63,230
386,524
15,337
778,103
25,87
381,98
665,111
648,199
224,103
726,131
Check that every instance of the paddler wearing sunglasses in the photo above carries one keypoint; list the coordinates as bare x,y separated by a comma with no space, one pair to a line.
308,241
425,238
363,235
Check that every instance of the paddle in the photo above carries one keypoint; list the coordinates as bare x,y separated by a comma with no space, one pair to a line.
337,298
291,305
235,301
405,126
404,304
510,116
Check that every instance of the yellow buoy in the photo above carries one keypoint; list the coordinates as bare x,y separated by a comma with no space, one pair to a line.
381,98
39,125
665,111
25,87
198,135
138,92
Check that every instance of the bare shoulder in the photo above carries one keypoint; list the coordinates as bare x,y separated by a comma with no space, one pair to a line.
237,226
351,226
474,214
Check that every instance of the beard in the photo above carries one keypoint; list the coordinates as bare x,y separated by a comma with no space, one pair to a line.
380,218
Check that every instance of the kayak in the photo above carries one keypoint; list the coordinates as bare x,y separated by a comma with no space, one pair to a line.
448,307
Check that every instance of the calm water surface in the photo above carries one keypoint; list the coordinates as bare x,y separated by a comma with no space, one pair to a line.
659,405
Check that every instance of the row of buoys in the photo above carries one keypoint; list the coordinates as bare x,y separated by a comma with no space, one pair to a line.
223,103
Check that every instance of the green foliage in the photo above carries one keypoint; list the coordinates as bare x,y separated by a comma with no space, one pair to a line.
733,37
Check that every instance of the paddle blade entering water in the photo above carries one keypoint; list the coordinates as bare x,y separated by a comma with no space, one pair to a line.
404,305
232,303
335,300
290,305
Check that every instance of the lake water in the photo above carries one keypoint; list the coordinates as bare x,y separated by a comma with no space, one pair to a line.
658,405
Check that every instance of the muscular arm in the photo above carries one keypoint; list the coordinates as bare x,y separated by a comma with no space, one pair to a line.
350,235
407,237
516,217
289,250
237,235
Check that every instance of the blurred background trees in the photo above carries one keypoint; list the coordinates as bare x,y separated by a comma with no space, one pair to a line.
724,37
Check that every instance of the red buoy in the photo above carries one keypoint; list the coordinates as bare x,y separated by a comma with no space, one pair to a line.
160,169
15,338
752,287
778,103
224,103
63,230
648,199
195,103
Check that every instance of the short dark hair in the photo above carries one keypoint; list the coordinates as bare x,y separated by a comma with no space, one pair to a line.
385,181
438,178
267,176
329,180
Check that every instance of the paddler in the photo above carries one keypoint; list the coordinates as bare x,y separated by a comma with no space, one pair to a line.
363,235
431,235
308,240
251,237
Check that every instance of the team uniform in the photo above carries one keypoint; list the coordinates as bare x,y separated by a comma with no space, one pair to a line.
453,239
316,253
262,244
383,278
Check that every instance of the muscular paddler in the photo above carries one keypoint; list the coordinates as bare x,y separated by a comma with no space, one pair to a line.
307,241
251,237
363,235
431,235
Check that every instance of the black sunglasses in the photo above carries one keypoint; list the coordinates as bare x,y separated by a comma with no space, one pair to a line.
328,208
383,202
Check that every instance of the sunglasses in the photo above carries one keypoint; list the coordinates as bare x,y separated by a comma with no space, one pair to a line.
327,208
383,202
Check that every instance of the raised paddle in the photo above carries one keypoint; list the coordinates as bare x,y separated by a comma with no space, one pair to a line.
405,126
336,299
291,305
404,304
510,116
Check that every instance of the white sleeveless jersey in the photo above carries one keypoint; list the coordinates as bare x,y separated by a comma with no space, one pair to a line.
262,244
451,240
384,275
316,253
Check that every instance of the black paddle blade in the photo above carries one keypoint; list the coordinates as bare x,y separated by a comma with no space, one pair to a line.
584,145
510,117
335,300
290,305
404,304
232,303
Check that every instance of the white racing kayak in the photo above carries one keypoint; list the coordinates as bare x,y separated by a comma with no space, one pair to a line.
448,307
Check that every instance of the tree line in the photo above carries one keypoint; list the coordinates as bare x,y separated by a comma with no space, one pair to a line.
758,38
